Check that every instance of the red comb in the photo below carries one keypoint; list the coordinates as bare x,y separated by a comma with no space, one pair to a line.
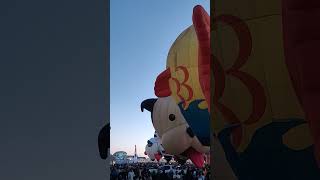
161,87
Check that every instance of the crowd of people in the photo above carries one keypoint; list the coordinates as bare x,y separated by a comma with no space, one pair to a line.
152,171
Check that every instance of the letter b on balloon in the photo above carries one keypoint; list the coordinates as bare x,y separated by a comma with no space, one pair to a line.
220,73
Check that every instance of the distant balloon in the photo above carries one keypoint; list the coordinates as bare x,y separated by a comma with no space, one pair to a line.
153,148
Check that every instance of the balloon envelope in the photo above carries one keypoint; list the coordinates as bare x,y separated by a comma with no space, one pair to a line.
261,102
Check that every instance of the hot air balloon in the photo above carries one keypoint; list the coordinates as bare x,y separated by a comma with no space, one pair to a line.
180,113
265,91
153,149
177,138
186,79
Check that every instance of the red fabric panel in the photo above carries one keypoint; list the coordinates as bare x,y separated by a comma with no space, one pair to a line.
162,88
301,31
201,22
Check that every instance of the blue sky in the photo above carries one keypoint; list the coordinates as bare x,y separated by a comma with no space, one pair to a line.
141,33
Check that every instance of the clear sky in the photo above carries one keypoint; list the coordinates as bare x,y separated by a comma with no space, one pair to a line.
142,32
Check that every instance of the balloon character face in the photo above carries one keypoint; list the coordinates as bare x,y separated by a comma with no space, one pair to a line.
176,136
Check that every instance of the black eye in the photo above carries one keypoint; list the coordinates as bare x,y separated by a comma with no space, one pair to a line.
149,143
172,117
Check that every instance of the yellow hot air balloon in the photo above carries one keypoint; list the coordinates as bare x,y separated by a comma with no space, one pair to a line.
184,79
257,114
180,114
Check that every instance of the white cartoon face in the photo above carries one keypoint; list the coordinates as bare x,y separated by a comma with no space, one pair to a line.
153,149
176,136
